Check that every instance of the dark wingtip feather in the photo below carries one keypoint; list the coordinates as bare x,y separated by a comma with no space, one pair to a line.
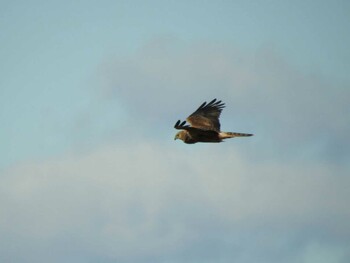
203,105
177,124
212,102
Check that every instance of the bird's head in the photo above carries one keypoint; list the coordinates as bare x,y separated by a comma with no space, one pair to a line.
180,135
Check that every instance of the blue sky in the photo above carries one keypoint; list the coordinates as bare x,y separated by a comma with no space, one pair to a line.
89,95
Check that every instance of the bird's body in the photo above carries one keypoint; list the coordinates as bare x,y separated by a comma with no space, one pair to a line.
205,125
198,135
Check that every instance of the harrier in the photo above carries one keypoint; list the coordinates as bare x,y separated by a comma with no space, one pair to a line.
205,125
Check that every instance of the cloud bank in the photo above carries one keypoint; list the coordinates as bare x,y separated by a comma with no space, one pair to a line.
145,201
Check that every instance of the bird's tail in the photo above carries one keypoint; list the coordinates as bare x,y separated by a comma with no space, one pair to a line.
225,135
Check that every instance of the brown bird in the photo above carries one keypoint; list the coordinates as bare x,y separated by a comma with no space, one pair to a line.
205,125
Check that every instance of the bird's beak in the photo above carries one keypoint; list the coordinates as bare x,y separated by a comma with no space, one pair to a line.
175,138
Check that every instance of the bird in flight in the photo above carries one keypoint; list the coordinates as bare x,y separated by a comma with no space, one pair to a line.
205,125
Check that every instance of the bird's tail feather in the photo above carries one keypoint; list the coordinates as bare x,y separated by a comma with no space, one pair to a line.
225,135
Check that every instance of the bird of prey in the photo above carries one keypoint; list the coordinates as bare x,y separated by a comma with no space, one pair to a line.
205,125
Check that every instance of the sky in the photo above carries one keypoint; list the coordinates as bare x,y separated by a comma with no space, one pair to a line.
90,92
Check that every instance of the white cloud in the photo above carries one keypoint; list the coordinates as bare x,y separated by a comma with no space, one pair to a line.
142,201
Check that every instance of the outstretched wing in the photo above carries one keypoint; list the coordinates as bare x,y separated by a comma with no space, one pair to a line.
183,126
207,116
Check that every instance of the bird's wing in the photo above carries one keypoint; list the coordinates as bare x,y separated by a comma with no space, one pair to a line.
182,126
207,116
